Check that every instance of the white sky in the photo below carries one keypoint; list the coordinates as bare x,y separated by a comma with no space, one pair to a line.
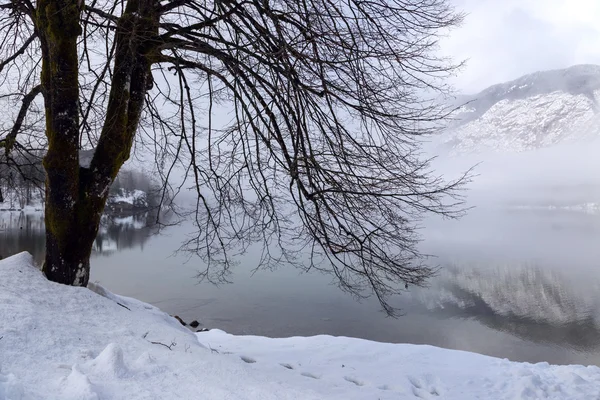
504,39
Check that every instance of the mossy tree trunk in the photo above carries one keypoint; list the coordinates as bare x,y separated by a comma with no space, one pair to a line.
75,195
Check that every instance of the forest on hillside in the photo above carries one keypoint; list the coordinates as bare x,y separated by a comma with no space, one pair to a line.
22,187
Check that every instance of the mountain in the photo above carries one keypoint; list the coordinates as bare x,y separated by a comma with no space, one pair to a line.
534,111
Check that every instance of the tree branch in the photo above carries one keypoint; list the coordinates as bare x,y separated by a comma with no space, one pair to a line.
10,140
19,52
103,14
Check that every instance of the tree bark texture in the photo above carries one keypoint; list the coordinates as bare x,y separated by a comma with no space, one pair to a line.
75,195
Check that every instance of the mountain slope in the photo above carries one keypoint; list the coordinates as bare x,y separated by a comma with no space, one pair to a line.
535,111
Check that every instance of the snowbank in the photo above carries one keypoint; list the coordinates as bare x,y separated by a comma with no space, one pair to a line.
59,342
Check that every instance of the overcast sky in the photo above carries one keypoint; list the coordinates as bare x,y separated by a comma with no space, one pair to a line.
504,39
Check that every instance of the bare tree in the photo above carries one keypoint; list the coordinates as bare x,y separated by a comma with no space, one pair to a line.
298,121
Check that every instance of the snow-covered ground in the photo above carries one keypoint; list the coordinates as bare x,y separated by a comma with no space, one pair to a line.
59,342
14,201
137,198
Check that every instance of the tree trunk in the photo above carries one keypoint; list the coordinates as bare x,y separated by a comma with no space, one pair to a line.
76,196
68,250
70,236
68,242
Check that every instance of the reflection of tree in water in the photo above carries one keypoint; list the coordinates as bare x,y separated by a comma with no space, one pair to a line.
25,232
525,300
21,231
118,232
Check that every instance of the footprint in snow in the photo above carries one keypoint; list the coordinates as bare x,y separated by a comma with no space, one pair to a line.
425,387
286,365
310,375
354,380
248,360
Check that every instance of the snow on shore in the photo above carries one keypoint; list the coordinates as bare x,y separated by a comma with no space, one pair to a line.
136,198
59,342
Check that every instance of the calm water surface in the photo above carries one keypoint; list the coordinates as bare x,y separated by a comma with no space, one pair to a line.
522,285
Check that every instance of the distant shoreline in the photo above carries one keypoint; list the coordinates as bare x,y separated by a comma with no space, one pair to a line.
22,209
107,211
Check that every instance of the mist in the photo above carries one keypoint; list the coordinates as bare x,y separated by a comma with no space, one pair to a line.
564,175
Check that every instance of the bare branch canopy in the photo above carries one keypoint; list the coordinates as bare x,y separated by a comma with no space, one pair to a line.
297,123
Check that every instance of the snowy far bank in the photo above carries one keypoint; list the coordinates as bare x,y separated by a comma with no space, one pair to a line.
59,342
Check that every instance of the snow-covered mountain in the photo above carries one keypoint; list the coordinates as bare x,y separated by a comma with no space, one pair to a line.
531,112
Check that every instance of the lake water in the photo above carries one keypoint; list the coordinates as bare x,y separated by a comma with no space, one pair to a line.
522,285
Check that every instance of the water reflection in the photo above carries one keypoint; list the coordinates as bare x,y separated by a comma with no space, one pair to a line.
21,231
524,299
118,232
